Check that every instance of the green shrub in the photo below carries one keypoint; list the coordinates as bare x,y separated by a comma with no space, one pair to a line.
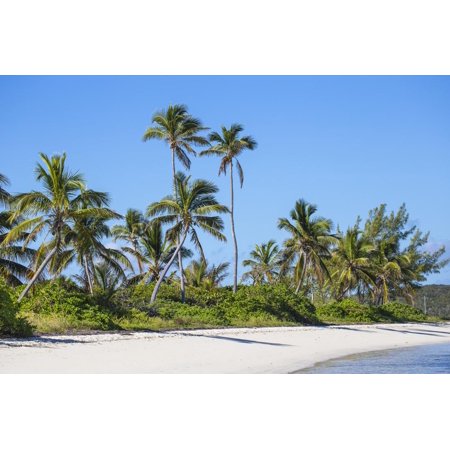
255,305
77,309
189,314
11,323
347,311
400,312
138,296
351,311
275,303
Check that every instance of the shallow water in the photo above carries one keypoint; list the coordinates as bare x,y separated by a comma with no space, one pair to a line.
424,359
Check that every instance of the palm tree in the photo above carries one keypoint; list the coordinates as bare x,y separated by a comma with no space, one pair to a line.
11,256
154,251
15,258
309,243
190,207
86,238
181,132
200,274
4,194
131,231
228,146
390,268
55,209
264,264
352,262
107,279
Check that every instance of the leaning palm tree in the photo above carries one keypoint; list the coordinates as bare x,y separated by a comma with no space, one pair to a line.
188,208
181,132
264,265
200,274
352,263
228,146
131,231
308,246
54,209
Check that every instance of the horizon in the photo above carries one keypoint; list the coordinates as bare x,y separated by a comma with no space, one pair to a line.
337,135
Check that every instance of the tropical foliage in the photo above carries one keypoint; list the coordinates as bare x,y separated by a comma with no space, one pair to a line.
68,261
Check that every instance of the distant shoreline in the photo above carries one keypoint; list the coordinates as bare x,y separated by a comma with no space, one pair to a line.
260,350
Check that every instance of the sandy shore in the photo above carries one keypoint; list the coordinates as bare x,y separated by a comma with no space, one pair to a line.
262,350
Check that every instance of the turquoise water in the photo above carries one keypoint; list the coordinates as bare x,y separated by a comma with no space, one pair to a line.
424,359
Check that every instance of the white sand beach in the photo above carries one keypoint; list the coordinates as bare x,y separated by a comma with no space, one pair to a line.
261,350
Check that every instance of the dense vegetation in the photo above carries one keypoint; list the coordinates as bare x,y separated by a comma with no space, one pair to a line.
319,274
434,299
60,306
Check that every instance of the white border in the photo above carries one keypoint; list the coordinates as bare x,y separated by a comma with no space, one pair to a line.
224,37
223,412
227,37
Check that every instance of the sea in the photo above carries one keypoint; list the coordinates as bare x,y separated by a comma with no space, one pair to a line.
423,359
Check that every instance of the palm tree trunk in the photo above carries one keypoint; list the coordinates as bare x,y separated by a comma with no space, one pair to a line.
88,275
180,259
233,231
167,267
141,269
36,275
300,282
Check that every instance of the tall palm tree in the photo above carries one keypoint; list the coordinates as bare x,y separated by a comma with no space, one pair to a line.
200,274
180,131
352,262
228,146
264,264
54,209
188,208
131,231
308,246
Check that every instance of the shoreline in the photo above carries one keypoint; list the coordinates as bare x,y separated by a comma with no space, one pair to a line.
359,357
229,350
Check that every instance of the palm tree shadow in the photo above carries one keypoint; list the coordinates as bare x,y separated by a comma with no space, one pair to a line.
352,329
415,331
238,340
38,342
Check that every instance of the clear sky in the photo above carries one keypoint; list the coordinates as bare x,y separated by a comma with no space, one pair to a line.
344,143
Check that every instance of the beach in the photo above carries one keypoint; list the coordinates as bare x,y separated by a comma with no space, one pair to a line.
258,350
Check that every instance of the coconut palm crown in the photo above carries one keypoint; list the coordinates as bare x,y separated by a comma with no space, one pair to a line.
264,263
309,244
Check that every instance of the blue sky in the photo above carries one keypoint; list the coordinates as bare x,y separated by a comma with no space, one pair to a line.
344,143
